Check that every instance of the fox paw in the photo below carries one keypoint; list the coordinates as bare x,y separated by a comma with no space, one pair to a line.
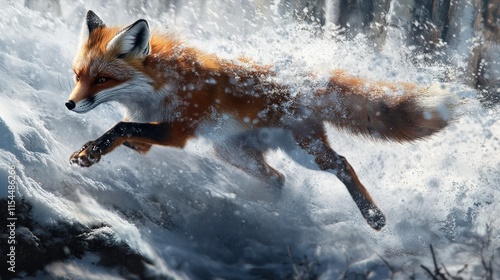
86,156
375,218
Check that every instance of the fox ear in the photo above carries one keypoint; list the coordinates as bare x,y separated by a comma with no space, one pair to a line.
133,40
90,23
93,21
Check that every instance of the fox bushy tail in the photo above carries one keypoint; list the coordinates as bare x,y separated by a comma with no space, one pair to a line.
387,111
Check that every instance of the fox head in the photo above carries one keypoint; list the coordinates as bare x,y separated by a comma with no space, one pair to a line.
109,63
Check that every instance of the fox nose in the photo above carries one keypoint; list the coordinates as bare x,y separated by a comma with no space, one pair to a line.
70,104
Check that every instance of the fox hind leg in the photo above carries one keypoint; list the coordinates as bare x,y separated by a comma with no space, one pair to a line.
312,138
246,152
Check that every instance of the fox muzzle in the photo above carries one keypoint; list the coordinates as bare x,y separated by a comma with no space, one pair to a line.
70,104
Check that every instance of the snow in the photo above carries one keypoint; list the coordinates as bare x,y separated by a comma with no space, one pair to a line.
194,215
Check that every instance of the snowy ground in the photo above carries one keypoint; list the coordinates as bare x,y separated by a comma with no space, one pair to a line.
195,216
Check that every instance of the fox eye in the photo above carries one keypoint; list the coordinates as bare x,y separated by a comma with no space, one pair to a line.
77,78
101,80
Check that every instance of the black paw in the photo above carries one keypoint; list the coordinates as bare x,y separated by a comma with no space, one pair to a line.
374,217
86,156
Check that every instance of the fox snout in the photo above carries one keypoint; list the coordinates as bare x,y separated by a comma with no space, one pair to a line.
70,104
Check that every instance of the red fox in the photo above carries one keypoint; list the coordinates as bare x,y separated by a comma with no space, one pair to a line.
173,93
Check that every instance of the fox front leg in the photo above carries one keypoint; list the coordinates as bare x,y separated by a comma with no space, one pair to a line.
246,152
141,134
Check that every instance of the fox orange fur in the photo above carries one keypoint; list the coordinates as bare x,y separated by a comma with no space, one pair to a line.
172,93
